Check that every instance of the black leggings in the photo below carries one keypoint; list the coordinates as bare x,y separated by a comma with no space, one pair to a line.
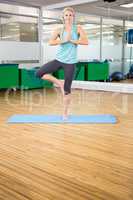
55,65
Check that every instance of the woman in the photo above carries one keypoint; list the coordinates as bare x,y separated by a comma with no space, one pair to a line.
66,57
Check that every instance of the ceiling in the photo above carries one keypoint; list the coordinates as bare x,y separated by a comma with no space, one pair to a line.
107,9
92,7
36,3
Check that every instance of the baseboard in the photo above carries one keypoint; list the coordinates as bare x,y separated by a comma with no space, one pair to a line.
103,86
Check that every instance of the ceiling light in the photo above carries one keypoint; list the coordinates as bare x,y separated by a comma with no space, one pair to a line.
110,1
129,5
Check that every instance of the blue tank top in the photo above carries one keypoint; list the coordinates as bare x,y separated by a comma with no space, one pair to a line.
67,52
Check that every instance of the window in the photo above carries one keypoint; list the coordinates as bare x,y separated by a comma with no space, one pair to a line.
112,39
112,33
128,48
18,28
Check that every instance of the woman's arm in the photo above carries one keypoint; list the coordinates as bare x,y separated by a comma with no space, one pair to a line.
83,40
55,40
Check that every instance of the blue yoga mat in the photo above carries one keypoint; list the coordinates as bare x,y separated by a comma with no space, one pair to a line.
105,118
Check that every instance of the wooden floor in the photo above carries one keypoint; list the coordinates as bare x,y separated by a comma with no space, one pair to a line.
66,161
130,81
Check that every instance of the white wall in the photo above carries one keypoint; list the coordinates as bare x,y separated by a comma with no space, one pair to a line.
89,52
49,52
10,51
93,50
112,51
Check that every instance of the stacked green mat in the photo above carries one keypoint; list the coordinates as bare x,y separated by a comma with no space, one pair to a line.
88,71
28,80
13,77
79,72
9,76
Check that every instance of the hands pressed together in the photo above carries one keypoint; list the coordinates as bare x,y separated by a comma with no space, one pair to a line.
68,39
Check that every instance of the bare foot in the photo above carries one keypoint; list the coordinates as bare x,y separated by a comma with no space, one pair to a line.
65,117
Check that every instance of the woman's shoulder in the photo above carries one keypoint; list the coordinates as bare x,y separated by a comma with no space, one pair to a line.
78,27
59,29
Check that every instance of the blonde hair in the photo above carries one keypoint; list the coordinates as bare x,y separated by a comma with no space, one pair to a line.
62,18
68,9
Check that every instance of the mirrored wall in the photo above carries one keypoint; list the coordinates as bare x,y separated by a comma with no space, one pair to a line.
18,23
107,36
107,41
128,58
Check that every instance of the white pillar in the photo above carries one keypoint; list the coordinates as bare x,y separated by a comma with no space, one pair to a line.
101,37
40,35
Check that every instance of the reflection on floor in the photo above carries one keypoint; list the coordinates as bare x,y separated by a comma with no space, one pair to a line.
124,81
66,161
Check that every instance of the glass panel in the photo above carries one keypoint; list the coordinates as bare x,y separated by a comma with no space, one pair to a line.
10,28
128,48
49,25
18,9
28,29
0,28
112,32
93,32
91,24
18,28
